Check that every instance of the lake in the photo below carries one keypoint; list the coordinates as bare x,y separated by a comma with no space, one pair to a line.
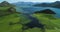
31,9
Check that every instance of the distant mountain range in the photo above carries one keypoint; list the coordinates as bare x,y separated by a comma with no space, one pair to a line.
46,4
54,4
24,3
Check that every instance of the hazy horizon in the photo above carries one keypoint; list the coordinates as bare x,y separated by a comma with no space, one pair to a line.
14,1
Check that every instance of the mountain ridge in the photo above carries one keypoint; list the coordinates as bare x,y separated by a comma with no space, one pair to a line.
53,4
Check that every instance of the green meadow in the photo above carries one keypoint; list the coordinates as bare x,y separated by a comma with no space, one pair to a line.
51,23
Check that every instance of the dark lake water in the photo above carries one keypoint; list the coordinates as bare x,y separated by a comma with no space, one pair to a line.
33,9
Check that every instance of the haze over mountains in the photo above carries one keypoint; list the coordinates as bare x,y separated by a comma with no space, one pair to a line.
24,3
45,4
53,4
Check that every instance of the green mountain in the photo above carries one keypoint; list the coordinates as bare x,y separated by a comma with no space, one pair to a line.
6,8
8,15
5,3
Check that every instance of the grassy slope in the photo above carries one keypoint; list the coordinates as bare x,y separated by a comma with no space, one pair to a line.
4,23
5,20
52,25
4,11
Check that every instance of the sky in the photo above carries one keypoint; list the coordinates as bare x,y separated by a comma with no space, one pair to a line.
12,1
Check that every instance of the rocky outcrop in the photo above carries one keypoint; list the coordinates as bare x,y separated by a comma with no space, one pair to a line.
11,10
